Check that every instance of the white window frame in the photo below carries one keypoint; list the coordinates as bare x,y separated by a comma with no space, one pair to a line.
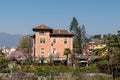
42,51
54,50
54,40
42,40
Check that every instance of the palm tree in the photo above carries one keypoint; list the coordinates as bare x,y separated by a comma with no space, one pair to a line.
67,52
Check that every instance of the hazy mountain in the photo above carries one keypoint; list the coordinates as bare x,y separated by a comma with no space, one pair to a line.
9,40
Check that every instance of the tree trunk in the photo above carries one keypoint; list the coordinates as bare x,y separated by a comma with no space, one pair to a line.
67,60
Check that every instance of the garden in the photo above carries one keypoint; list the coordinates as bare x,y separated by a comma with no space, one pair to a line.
46,72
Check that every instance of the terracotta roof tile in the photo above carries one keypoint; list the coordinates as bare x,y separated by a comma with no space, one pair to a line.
53,32
61,32
42,27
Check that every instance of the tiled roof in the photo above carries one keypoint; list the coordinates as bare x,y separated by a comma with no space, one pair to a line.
61,32
42,27
52,31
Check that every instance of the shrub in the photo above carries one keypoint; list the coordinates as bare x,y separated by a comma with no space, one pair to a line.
3,63
4,71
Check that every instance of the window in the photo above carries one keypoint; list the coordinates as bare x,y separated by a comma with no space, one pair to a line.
42,50
65,41
90,50
54,40
42,40
54,50
42,32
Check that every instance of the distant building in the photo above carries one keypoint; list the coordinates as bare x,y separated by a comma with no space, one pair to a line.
100,46
48,41
12,49
92,46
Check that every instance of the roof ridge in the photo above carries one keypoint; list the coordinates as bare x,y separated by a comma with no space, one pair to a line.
42,27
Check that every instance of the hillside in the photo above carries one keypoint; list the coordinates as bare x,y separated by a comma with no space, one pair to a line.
9,40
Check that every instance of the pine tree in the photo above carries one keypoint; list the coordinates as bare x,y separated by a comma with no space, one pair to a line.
80,35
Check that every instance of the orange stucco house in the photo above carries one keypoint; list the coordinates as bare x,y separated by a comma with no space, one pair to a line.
48,41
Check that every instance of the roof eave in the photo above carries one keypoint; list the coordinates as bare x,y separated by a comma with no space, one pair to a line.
68,35
41,29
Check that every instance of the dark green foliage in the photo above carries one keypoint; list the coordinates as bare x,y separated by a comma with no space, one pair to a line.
76,29
80,35
110,63
58,63
97,36
97,52
54,71
35,78
74,24
0,51
3,63
4,71
67,52
26,44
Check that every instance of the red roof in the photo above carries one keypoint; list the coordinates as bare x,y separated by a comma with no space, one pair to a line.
61,32
52,31
42,27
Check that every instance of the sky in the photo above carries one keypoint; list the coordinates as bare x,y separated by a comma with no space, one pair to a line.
98,16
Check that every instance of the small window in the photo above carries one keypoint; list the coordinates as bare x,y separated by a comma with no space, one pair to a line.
42,32
65,41
54,40
42,40
42,50
90,50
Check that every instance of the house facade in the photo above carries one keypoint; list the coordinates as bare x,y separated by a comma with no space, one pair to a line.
48,41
